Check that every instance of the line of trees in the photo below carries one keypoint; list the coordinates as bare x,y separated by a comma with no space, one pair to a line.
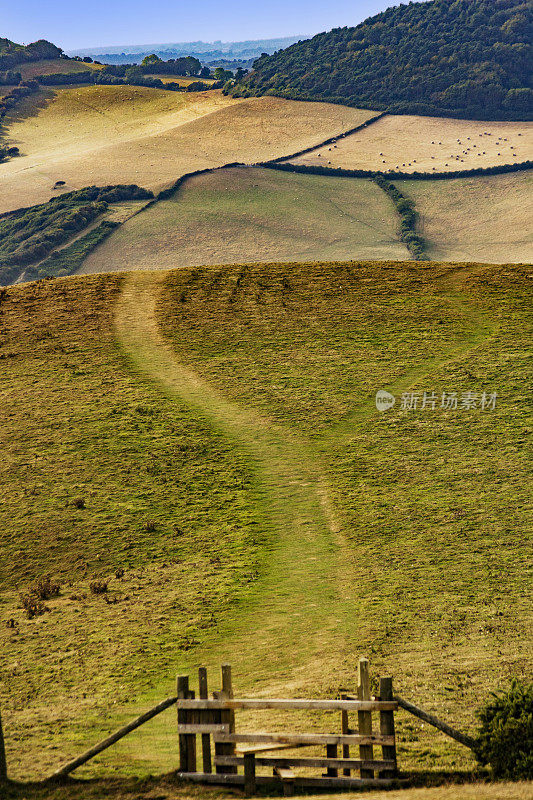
132,77
12,54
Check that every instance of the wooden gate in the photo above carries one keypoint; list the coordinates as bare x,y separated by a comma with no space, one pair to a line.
349,755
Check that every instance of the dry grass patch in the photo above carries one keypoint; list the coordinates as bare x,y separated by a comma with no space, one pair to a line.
167,788
126,134
53,66
246,215
426,144
85,135
487,218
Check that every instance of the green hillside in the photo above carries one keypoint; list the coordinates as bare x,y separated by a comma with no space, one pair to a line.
206,442
13,54
468,58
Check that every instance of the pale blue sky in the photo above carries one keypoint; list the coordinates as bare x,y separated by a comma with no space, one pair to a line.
74,25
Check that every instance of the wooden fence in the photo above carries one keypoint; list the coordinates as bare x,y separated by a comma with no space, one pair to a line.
207,732
349,759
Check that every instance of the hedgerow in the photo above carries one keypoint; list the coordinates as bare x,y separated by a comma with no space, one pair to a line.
29,235
499,169
406,209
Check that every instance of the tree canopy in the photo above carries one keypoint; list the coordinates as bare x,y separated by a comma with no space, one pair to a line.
466,58
12,54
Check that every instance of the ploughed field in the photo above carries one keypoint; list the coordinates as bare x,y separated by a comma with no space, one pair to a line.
212,432
409,143
126,134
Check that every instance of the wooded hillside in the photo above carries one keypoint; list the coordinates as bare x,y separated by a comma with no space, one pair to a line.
467,58
12,53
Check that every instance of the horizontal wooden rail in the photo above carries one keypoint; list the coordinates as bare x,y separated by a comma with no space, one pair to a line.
244,749
263,780
305,739
288,761
105,743
203,728
308,705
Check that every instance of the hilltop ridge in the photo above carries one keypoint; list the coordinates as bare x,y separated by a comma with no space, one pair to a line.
465,58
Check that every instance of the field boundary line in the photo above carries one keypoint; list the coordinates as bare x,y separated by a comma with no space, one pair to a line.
341,172
331,139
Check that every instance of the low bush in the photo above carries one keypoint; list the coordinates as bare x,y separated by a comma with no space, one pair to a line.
98,587
506,735
32,605
44,588
9,100
29,235
32,599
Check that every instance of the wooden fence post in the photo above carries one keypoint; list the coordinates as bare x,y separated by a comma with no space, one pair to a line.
226,748
192,717
386,727
206,738
3,761
249,774
331,752
345,731
366,751
182,691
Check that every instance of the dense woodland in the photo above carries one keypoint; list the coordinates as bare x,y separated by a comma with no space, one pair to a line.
466,58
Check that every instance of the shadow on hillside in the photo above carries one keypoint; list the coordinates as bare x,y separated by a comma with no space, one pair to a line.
167,787
29,106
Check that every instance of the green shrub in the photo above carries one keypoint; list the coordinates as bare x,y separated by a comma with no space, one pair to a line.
506,735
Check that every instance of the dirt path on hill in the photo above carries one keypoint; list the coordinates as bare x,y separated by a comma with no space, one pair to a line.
293,612
298,614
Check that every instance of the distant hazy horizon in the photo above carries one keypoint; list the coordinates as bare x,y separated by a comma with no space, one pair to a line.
199,44
104,25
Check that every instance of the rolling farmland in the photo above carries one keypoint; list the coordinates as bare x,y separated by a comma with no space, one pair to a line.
245,214
93,134
424,144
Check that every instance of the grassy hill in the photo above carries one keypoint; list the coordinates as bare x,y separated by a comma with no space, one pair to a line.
219,422
99,135
252,214
408,143
468,58
482,219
